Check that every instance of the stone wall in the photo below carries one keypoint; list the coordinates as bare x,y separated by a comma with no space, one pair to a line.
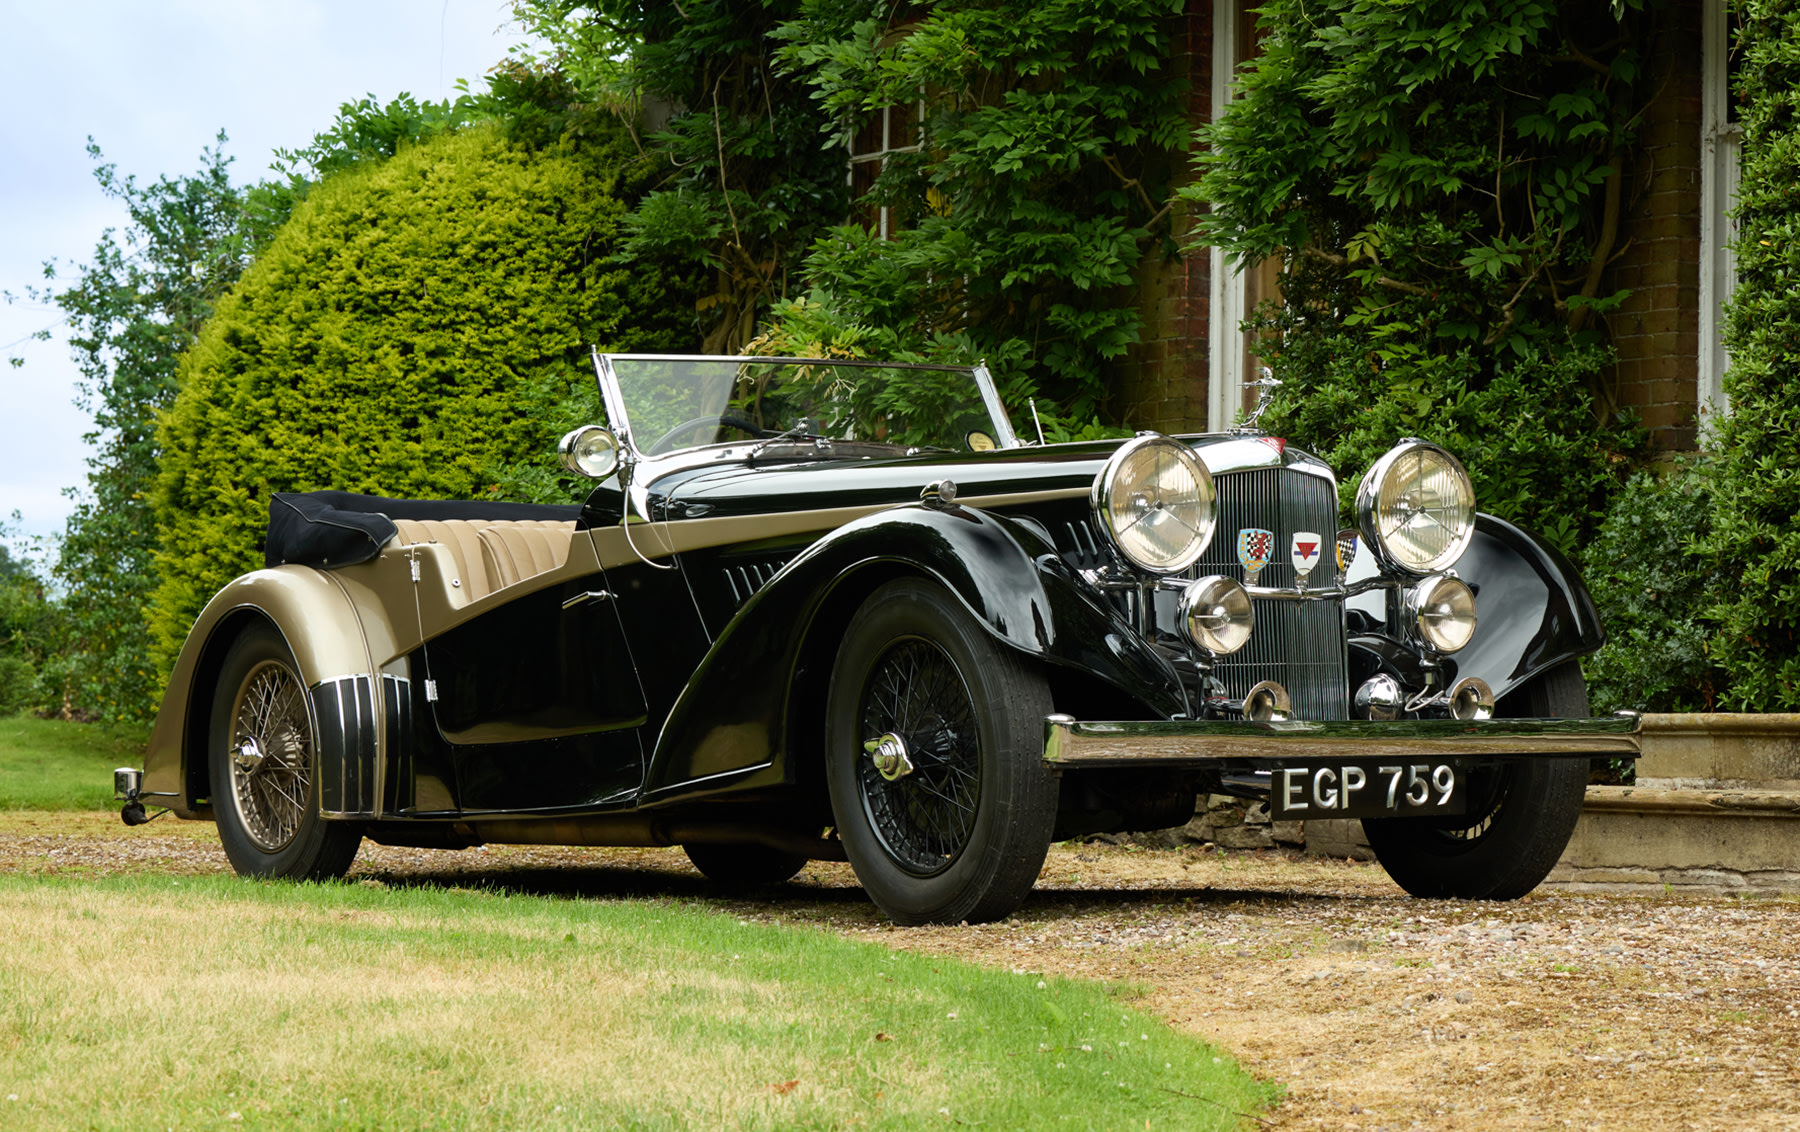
1657,331
1161,382
1716,808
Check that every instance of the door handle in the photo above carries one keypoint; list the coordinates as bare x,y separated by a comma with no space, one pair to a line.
584,598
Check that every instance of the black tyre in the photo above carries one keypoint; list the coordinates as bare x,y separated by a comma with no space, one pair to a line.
957,826
264,765
740,868
1519,820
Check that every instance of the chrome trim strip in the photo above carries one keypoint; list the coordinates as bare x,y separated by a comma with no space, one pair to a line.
1069,742
771,359
662,539
996,411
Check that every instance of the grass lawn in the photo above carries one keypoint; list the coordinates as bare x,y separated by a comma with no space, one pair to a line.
51,764
218,1003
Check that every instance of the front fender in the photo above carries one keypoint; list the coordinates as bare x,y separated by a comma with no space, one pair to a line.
1533,610
321,627
739,722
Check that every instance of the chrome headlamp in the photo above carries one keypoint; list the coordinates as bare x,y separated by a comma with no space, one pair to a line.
1442,609
1155,501
1416,508
589,451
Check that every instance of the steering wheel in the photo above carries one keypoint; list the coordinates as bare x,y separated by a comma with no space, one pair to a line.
732,417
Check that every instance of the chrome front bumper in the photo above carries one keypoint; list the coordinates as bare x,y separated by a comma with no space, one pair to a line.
1070,743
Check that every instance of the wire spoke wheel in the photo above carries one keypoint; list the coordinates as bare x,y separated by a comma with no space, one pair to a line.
271,756
925,817
1521,813
934,740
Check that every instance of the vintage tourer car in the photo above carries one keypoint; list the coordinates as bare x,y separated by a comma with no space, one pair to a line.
840,610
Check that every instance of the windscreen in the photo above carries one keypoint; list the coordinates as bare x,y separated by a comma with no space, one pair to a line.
673,404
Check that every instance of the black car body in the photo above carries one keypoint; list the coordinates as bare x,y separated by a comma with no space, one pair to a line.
832,610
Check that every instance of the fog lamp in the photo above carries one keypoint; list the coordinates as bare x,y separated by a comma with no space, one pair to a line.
1380,697
1216,613
1443,610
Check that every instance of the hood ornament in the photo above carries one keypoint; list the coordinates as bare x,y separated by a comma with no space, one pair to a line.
1265,385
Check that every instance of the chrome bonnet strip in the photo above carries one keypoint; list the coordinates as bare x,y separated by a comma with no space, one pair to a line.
1069,742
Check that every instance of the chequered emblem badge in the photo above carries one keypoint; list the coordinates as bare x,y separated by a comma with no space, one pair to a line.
1304,551
1346,550
1255,546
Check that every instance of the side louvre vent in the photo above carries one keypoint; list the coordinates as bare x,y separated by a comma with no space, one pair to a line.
745,578
345,711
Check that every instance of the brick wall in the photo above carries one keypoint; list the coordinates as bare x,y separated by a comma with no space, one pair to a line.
1657,332
1162,381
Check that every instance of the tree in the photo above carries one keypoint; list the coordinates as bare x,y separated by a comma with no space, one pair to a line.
743,189
1047,137
133,310
398,336
1442,182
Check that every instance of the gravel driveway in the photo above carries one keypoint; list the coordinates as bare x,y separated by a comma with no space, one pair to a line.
1377,1011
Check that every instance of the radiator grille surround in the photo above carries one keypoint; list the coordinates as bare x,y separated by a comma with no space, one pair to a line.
1299,645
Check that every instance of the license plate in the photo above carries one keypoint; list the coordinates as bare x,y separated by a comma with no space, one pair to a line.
1366,788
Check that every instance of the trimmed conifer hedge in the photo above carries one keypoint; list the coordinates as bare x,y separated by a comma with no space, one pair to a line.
1756,478
397,337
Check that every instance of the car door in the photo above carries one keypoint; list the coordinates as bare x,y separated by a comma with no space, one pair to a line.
537,696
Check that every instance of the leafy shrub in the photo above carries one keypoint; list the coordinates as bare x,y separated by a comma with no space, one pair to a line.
1441,182
1652,585
1524,430
396,337
1755,536
18,685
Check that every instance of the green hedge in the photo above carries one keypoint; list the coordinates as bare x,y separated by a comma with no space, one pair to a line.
1756,488
397,337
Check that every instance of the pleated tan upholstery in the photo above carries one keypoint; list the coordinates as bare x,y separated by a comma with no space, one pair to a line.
492,554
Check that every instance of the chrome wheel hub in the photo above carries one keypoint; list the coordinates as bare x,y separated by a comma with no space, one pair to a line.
890,756
249,755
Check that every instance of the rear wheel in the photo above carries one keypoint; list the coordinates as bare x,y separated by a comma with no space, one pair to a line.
934,759
1519,820
738,867
264,767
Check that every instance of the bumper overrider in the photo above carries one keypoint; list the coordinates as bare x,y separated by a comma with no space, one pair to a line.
1341,768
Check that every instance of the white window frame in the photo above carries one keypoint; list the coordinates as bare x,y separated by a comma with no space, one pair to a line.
879,158
1226,347
1721,143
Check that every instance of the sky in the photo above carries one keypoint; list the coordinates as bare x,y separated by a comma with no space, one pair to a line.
153,84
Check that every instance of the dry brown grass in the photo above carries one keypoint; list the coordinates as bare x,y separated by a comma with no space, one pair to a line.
1375,1010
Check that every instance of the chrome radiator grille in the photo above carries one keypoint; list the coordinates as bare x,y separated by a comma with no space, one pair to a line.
1299,645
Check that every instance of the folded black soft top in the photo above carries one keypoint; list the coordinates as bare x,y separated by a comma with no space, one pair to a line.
329,529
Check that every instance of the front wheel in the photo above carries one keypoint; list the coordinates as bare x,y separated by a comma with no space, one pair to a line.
264,767
934,739
1520,816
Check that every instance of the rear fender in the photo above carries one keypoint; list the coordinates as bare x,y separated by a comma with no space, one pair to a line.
321,628
756,698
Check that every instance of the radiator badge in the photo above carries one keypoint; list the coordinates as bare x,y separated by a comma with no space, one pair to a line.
1346,549
1254,548
1305,553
